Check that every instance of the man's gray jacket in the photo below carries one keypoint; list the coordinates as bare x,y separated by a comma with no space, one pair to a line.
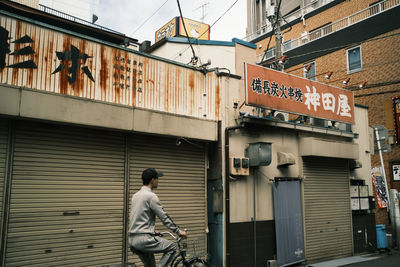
145,207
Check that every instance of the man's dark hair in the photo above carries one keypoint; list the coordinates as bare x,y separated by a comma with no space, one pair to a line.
149,174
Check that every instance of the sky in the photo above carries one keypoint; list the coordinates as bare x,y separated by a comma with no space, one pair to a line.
126,16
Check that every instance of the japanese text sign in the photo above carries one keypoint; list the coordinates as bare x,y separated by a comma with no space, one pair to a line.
281,91
396,111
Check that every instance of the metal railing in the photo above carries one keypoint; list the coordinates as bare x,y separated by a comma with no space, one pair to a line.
60,14
332,27
310,5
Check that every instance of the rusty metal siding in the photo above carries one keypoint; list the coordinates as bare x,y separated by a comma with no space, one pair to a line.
120,76
66,197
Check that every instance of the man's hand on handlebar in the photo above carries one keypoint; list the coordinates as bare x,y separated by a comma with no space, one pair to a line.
184,234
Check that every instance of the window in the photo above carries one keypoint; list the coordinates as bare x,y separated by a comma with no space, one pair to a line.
354,62
287,45
310,74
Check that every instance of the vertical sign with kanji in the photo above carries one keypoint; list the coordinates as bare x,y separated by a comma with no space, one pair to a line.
396,113
380,187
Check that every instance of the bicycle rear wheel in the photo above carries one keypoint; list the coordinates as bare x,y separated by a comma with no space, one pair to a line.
195,262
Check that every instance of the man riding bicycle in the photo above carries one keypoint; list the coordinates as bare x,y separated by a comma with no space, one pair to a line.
143,239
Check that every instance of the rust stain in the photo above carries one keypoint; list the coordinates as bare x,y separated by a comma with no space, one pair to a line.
176,90
167,88
16,47
34,57
117,76
48,62
191,87
51,52
104,73
126,79
77,85
63,74
134,79
217,100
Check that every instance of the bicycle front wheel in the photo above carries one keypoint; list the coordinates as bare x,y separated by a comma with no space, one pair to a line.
195,262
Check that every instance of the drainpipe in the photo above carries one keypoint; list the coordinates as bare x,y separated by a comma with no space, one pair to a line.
227,201
255,216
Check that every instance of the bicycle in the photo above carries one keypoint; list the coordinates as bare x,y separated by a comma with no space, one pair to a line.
180,259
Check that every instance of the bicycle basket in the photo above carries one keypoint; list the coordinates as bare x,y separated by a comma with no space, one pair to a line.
196,246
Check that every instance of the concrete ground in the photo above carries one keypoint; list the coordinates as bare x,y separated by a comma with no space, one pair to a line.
381,259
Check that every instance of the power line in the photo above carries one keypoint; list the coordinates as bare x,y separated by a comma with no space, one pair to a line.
194,58
183,51
141,25
273,27
219,18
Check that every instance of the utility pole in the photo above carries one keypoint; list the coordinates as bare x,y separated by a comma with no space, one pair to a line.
278,35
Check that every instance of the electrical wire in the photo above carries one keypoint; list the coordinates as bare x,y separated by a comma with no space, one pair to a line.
290,25
141,25
183,51
194,58
219,18
273,27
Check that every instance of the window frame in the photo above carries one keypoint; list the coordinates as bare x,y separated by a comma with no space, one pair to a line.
315,68
348,63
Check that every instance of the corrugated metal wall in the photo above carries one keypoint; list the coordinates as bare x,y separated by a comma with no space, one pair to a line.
119,76
182,188
3,162
328,225
66,197
67,192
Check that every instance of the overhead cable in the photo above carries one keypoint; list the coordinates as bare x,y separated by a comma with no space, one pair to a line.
194,58
274,26
141,25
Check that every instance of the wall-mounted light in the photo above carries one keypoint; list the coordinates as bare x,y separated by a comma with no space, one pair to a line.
307,68
328,76
346,81
283,59
362,85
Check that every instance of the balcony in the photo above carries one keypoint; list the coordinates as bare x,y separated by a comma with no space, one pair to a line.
310,5
331,28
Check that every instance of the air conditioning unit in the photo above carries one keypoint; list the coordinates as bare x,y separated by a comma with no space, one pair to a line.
282,116
319,122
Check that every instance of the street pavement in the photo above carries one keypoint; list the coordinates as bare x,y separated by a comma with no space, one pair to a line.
387,259
381,259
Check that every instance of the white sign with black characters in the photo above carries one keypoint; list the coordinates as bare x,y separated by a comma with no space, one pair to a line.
396,172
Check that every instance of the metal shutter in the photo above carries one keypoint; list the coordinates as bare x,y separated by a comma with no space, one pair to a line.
182,189
3,162
66,197
328,225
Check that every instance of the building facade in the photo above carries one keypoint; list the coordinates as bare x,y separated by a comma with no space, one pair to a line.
81,116
348,44
315,161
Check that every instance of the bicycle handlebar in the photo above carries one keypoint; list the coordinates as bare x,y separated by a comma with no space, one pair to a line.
171,234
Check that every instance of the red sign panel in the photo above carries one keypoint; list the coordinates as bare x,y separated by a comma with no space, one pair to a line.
281,91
